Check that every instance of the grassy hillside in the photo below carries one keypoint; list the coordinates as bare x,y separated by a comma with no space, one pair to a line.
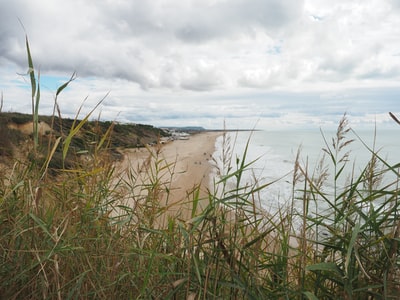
76,237
12,140
91,234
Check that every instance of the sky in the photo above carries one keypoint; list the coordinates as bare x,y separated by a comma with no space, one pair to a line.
264,64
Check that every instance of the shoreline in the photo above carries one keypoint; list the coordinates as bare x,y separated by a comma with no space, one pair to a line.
180,165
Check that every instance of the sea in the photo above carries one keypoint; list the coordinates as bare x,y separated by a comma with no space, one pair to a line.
271,155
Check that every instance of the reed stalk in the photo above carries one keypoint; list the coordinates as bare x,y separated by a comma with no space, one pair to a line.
68,232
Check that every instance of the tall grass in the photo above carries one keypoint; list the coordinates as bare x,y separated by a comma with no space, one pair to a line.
358,256
94,232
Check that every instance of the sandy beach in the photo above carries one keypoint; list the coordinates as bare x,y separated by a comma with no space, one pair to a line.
179,166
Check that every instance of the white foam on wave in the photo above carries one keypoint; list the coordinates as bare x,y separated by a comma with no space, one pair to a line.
273,156
266,165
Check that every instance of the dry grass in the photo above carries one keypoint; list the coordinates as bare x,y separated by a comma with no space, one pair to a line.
63,239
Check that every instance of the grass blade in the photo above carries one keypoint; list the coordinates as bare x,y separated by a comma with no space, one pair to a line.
350,247
31,72
75,129
63,86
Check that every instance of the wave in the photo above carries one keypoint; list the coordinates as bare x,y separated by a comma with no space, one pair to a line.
272,156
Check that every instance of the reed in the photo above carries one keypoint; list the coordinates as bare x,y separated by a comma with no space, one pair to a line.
69,233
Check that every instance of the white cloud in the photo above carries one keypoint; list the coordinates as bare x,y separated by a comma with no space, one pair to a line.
203,61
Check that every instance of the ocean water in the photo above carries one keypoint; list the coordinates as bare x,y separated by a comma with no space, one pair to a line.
273,155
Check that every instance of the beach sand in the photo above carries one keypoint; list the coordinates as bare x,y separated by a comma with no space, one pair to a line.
180,165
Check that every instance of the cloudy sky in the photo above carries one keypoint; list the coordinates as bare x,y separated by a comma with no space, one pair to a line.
248,63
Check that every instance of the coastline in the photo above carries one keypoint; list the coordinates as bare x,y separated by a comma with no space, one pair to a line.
181,166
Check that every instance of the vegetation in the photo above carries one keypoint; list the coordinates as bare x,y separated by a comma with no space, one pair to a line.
123,136
75,237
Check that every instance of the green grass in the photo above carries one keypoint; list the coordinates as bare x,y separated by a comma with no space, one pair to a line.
73,236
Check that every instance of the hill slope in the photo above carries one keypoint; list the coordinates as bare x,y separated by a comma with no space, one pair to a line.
16,130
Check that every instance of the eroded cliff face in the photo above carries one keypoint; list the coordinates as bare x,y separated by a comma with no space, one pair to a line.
27,128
